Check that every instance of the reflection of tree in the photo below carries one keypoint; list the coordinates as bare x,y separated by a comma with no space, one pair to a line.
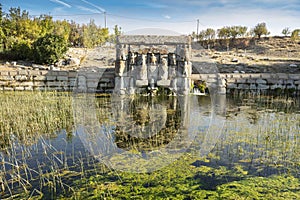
140,109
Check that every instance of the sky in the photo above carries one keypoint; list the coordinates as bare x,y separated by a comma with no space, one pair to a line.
175,15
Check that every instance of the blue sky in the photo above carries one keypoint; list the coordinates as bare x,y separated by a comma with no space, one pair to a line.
176,15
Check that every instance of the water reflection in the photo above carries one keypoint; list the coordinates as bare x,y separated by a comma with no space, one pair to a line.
249,135
151,132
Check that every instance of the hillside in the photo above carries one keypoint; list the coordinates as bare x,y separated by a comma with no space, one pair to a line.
273,54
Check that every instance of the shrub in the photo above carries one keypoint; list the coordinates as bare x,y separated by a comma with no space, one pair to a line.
49,49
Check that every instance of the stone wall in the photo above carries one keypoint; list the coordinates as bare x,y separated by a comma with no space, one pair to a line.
102,79
29,80
261,81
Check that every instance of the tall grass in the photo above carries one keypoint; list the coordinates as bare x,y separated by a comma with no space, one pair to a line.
28,115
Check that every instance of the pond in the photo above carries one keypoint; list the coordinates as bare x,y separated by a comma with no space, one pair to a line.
83,146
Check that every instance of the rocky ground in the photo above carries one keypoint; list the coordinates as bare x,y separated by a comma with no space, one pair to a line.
274,55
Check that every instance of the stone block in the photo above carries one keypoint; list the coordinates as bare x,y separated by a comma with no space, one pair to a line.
294,76
297,82
62,73
243,86
212,80
255,76
7,88
53,73
265,76
261,81
62,78
50,78
4,83
19,88
241,80
4,73
21,78
282,76
22,72
28,88
251,81
72,74
275,81
164,83
29,83
43,72
92,84
39,78
39,83
141,83
54,84
13,73
231,80
263,87
231,85
6,78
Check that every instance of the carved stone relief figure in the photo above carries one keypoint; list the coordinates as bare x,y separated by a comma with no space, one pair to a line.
121,68
143,71
163,69
187,69
153,59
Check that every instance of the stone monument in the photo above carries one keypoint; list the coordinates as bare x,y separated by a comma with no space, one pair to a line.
147,62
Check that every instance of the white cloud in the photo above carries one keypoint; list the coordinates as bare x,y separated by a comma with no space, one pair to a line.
62,3
93,5
167,16
87,9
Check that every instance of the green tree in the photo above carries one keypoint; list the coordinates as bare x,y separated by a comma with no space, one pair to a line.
210,34
49,49
224,33
94,35
76,35
286,31
295,35
261,29
242,31
63,29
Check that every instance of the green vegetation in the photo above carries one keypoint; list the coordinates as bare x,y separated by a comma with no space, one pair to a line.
295,35
29,115
19,32
261,29
49,49
286,31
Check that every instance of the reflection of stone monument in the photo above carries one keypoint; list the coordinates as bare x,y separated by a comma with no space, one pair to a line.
149,62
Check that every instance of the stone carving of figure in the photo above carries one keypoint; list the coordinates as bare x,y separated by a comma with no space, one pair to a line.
144,58
122,67
143,72
153,59
163,70
132,58
186,54
187,69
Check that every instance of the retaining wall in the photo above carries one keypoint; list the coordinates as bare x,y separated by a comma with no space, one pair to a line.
28,80
260,81
102,79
